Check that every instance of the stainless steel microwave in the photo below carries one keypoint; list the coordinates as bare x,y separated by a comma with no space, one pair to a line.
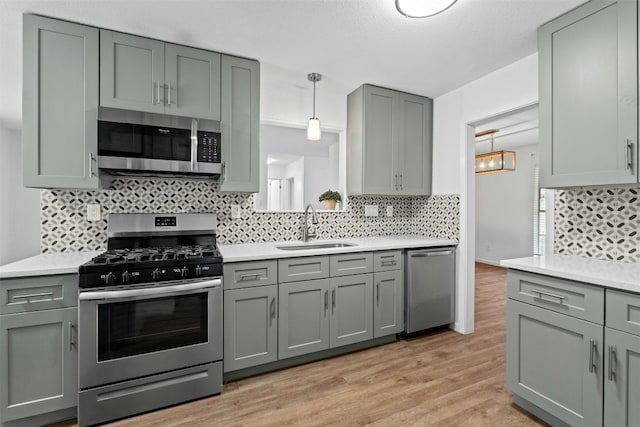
151,144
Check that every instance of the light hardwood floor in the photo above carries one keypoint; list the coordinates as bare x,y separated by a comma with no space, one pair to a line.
444,379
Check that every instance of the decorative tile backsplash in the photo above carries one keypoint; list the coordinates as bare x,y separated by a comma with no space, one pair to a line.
598,223
64,226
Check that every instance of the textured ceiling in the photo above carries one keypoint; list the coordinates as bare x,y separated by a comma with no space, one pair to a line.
349,41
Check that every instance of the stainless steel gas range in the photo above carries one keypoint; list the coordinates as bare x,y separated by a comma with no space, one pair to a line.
150,316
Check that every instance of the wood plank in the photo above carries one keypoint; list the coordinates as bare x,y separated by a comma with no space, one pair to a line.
443,379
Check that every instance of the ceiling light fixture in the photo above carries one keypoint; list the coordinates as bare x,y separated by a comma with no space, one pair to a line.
494,161
422,8
313,130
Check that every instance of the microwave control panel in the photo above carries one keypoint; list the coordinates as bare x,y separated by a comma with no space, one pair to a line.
209,147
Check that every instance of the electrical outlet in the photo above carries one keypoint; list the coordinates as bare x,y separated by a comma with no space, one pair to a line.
389,210
236,212
370,210
93,212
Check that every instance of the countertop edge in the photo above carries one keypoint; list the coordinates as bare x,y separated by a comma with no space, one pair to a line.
47,264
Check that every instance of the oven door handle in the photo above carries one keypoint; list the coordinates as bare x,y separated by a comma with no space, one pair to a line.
161,290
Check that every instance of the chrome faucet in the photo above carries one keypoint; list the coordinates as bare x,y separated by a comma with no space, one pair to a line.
306,234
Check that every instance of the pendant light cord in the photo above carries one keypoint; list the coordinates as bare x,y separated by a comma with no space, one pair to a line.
314,99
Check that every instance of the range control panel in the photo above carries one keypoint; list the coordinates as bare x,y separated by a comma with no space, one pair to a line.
209,147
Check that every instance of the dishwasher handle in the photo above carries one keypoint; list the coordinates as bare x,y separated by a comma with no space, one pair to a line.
428,254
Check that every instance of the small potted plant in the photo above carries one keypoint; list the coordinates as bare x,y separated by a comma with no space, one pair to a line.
330,198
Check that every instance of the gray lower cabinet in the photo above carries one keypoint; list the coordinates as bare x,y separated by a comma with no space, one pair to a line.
303,318
351,319
555,362
38,362
388,305
239,123
142,74
622,379
389,142
250,327
588,79
60,104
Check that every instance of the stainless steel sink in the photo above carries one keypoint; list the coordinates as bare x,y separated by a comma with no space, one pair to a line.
318,245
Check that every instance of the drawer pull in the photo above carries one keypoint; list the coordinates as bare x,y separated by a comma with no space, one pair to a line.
613,361
27,296
273,311
384,263
253,276
72,344
326,302
593,348
541,293
378,294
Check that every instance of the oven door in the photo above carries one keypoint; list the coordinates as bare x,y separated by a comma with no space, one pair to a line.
130,333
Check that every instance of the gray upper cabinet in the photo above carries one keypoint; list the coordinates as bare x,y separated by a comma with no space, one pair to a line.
622,379
137,73
588,79
351,309
60,104
38,362
389,142
239,123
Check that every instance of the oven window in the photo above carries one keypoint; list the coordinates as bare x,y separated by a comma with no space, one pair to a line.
144,326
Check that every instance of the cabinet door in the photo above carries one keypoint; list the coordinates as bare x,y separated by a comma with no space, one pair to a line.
622,379
38,362
388,307
303,318
380,141
351,309
555,362
60,104
192,82
239,123
131,72
250,327
415,118
588,96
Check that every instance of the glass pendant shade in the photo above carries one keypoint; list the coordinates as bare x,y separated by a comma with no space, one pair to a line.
494,162
422,8
313,130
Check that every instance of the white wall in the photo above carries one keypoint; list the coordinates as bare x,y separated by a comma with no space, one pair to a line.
504,210
506,89
19,207
315,180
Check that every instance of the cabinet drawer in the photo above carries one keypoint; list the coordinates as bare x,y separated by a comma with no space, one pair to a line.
304,268
347,264
387,260
248,274
564,296
38,293
623,311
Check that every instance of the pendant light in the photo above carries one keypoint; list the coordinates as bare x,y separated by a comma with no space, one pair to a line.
494,161
422,8
313,130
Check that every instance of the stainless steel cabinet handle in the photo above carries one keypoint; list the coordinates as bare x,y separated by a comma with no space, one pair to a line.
72,344
273,311
333,299
378,294
40,294
326,301
247,275
395,181
401,181
593,349
91,160
153,91
541,293
223,176
628,153
158,92
383,263
169,93
612,363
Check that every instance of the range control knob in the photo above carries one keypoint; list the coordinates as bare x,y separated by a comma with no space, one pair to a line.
126,276
184,272
109,278
198,271
155,274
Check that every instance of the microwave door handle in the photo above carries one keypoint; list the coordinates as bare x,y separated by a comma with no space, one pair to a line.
194,145
143,292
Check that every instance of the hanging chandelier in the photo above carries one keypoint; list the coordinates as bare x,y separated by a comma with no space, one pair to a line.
494,161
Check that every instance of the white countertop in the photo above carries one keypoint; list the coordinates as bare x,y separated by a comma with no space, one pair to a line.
610,274
260,251
46,264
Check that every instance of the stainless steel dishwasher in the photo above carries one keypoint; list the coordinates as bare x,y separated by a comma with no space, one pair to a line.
430,288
